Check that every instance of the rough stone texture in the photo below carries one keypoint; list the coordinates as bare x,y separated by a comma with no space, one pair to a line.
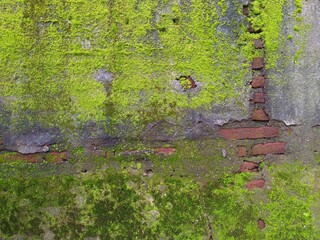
269,148
294,88
258,81
249,133
33,142
259,115
258,183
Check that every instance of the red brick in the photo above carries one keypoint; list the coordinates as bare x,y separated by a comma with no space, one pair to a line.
258,183
258,97
249,133
269,148
258,44
258,81
245,10
164,151
261,224
249,167
259,115
257,63
241,151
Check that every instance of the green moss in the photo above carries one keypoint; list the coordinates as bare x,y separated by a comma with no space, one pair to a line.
267,16
118,203
51,50
289,210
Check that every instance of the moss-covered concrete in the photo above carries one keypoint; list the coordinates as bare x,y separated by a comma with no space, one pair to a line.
51,51
122,203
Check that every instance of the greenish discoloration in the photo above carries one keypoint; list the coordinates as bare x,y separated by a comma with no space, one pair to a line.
123,204
291,198
52,49
267,16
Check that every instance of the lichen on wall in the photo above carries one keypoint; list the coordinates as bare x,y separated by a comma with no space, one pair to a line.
51,51
123,204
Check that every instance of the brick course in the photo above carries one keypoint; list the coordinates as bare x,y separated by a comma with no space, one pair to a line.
269,148
259,115
258,81
258,97
250,133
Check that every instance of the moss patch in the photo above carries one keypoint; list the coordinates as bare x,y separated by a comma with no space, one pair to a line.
52,49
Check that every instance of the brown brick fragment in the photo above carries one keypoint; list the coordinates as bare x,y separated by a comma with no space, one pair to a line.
241,151
57,157
261,224
258,97
258,82
258,44
257,63
258,183
245,10
249,133
164,151
253,30
30,158
249,167
259,115
269,148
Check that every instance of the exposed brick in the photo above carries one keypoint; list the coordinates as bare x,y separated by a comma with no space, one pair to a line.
259,115
258,44
257,63
261,224
245,10
269,148
164,151
30,158
249,133
258,183
253,30
258,97
258,81
249,167
57,157
241,151
135,152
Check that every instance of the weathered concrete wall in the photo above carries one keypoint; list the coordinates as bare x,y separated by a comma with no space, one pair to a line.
122,65
294,85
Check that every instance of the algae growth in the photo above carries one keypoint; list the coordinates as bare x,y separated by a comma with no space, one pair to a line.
124,204
51,51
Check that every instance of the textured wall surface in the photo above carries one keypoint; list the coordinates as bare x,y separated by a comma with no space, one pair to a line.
122,63
294,86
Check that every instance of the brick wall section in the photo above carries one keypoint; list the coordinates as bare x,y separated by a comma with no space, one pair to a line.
269,148
257,63
259,115
258,82
250,133
258,97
